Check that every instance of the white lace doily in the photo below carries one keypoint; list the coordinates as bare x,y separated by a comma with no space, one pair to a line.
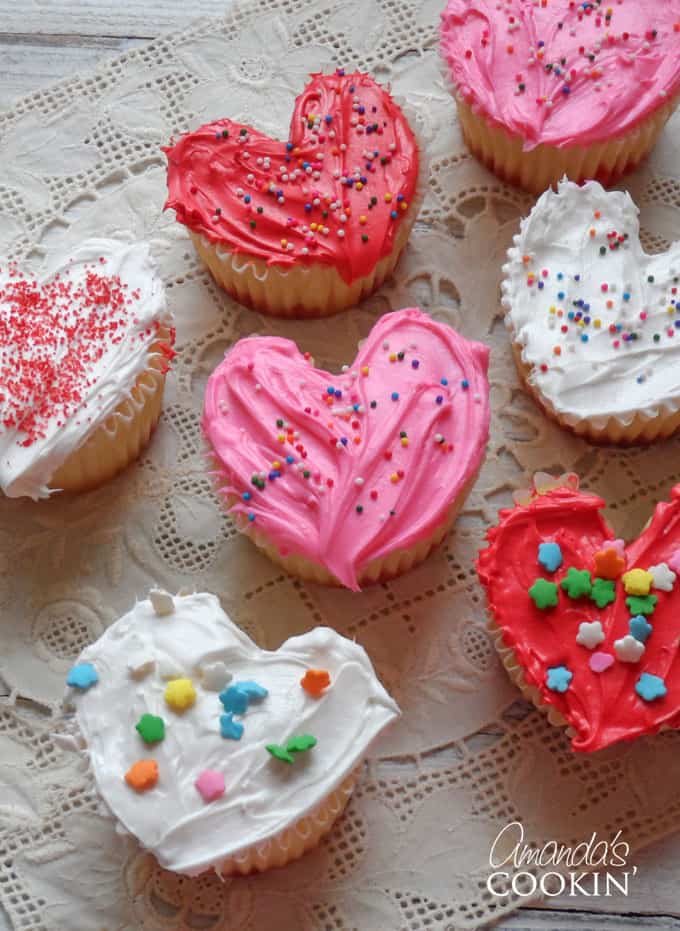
412,852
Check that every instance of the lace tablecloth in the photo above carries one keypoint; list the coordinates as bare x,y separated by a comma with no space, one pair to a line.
412,851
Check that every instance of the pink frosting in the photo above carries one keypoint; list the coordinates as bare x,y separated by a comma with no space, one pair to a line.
563,72
374,466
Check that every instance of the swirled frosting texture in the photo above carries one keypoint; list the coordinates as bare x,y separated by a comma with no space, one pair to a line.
344,469
561,72
72,346
334,193
601,707
597,319
263,796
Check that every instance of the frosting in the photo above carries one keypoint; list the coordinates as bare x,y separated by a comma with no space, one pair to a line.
597,319
333,193
345,469
72,346
592,653
261,795
562,72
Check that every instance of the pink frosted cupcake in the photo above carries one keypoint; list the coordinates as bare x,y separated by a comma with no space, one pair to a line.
562,88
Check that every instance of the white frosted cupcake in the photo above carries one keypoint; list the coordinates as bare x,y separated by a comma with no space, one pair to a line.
594,320
216,754
83,356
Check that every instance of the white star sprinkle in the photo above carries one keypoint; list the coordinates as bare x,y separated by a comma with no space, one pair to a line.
664,578
590,634
628,649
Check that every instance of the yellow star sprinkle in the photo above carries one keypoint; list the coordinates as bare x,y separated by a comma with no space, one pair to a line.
637,582
180,694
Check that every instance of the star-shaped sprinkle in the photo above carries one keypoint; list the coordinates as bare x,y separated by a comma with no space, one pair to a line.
315,682
637,582
162,603
230,729
139,666
600,662
211,785
628,649
603,592
650,687
544,594
234,700
83,677
286,752
640,628
238,696
151,728
143,775
215,676
609,563
663,577
550,556
169,668
641,604
558,678
590,634
674,561
577,583
180,695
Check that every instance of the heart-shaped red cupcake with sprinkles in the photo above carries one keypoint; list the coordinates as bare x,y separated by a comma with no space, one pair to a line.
310,224
587,625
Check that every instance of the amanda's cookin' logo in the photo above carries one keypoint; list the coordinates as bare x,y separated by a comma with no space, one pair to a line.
581,870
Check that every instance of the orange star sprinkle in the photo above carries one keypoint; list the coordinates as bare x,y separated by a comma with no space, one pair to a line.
143,775
315,682
609,564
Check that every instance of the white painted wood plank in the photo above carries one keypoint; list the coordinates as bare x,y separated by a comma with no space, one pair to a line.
578,920
124,18
28,65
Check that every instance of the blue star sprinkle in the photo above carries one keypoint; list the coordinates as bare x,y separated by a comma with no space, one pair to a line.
83,677
650,687
239,695
640,628
558,678
234,700
253,690
230,729
550,556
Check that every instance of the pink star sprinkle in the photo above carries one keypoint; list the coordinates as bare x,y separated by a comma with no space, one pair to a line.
674,562
600,662
211,785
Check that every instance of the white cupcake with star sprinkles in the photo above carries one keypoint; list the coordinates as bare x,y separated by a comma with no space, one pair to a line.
84,350
213,753
594,320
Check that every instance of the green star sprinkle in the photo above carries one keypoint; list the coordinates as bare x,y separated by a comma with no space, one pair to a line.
577,583
151,729
604,592
544,594
641,604
299,744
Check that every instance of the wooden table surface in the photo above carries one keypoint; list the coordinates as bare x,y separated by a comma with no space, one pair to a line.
42,41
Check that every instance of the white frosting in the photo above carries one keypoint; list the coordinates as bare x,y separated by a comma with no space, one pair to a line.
263,795
27,470
594,379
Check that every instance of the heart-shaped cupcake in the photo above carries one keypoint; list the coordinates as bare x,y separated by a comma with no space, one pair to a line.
89,340
336,199
562,87
587,625
595,321
351,472
213,752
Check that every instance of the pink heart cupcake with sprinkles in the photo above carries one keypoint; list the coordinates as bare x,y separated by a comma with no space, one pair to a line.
548,88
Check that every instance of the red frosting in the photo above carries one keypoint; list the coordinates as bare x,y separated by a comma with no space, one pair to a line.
601,707
334,193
